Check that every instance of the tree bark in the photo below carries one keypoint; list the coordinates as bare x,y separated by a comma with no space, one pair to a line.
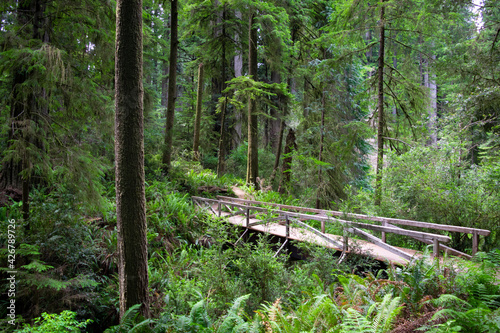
380,107
172,94
238,71
220,160
320,154
275,121
253,159
197,119
430,83
286,168
129,157
222,138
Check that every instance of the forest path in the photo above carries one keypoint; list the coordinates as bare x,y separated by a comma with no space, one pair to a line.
241,194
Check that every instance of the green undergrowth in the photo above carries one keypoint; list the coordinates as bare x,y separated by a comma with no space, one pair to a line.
204,278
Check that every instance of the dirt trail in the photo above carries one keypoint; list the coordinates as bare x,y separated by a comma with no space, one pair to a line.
241,194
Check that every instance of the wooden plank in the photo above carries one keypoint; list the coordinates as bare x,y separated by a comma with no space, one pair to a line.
317,233
241,237
281,248
445,248
378,241
412,223
374,227
398,231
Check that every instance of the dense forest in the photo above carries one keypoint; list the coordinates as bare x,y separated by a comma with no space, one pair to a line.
114,113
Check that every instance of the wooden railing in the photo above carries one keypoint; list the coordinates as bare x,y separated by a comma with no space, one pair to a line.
296,215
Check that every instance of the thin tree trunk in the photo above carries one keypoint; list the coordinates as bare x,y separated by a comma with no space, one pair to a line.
172,96
197,119
380,106
238,71
320,155
253,159
222,138
275,121
278,152
220,160
129,157
286,168
432,110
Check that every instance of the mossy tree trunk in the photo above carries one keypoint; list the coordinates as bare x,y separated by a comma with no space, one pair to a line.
197,119
253,158
380,107
129,157
172,82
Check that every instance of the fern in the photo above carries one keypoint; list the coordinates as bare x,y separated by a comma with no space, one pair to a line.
473,320
199,315
355,322
128,320
387,311
233,321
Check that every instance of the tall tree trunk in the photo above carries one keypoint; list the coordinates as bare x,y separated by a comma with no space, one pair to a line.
320,155
238,71
25,101
220,160
164,85
197,119
286,168
129,156
172,95
253,159
278,152
430,83
222,138
275,121
380,107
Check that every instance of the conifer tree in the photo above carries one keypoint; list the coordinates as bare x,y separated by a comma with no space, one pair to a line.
172,87
129,154
253,158
197,119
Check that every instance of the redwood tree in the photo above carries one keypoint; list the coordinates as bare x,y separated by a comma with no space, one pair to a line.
253,158
380,108
172,91
129,155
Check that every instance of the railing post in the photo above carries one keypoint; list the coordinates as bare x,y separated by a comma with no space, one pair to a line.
384,224
435,248
323,226
475,242
218,208
345,240
287,226
247,214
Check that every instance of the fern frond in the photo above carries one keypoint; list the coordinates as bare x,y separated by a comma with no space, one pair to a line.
353,321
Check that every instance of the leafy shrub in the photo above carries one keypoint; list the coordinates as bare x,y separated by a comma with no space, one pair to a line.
430,184
236,163
55,323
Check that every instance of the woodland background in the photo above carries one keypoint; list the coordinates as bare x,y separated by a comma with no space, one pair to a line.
388,108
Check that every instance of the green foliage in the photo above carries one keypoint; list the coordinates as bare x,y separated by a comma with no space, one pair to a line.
430,184
236,162
129,323
318,314
55,323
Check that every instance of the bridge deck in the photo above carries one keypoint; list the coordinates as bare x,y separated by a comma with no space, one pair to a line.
303,235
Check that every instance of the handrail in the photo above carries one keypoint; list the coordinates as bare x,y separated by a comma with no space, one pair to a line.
244,206
444,227
399,231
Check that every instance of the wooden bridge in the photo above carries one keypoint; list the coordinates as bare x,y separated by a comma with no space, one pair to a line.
290,223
